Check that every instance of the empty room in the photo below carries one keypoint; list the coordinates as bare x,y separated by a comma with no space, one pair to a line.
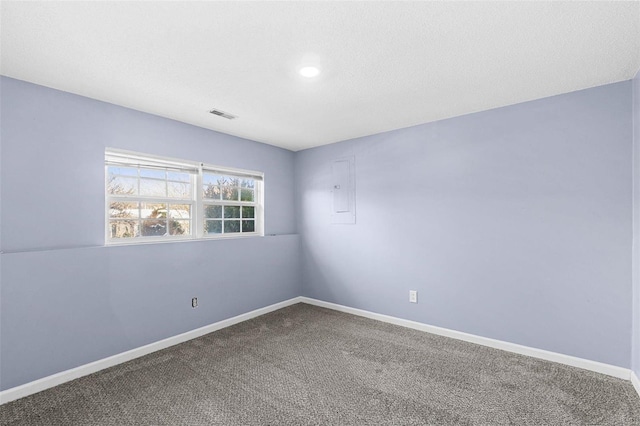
319,213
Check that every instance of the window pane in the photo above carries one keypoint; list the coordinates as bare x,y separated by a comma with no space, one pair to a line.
213,212
179,227
154,220
178,176
153,173
154,188
209,179
246,195
125,171
154,227
231,211
123,228
118,185
212,191
248,226
153,210
179,190
231,226
248,183
229,187
229,193
248,211
213,226
123,210
180,211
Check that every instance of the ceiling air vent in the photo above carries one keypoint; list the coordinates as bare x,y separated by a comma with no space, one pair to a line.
222,114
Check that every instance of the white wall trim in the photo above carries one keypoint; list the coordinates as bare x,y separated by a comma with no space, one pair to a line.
636,382
84,370
598,367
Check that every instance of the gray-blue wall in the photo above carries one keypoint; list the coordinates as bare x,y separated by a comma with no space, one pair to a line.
636,226
65,299
513,224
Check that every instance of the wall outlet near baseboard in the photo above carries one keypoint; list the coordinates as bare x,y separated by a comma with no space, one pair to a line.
413,296
194,302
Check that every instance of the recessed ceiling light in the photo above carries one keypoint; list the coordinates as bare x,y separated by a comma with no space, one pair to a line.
309,72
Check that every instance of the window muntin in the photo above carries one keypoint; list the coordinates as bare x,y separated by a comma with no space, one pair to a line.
147,202
152,199
230,204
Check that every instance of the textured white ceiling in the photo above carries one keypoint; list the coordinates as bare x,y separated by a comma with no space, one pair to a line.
385,65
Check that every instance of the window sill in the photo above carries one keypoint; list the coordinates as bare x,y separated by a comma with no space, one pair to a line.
182,240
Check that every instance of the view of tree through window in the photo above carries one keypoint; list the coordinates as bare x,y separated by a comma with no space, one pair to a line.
228,204
148,201
152,214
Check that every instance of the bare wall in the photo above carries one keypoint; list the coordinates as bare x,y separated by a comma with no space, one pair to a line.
513,224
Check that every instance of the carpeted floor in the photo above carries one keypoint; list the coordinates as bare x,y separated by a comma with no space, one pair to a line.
305,365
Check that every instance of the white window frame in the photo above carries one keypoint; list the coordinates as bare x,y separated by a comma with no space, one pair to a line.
197,200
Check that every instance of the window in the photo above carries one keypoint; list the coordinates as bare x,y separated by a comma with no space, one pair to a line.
155,199
229,203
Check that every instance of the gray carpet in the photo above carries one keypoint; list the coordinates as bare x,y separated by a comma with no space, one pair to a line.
305,365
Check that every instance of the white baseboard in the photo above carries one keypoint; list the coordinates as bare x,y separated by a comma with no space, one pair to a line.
84,370
636,382
599,367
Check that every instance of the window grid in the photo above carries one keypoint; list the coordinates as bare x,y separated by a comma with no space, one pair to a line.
229,193
246,219
149,221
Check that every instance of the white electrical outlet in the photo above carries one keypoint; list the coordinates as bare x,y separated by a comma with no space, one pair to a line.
413,296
